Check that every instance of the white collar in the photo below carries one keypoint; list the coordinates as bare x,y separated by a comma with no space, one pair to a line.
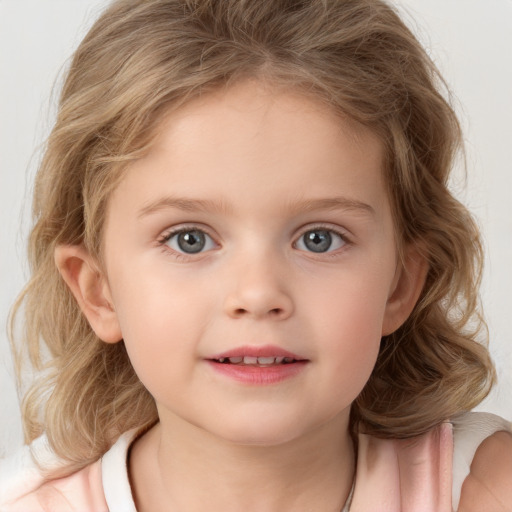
116,483
114,474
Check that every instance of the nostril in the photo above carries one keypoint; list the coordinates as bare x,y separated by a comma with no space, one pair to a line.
271,312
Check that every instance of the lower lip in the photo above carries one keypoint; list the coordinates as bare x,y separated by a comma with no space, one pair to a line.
259,375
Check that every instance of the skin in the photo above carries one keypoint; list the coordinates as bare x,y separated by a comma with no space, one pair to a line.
489,485
255,169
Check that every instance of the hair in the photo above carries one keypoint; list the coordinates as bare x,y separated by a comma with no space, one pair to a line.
141,59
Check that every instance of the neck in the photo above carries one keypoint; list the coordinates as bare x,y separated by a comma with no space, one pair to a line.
196,471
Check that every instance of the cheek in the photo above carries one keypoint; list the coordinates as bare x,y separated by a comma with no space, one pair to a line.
353,306
159,323
351,356
153,297
350,326
355,351
161,345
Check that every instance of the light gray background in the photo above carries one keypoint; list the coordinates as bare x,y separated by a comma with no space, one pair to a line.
470,40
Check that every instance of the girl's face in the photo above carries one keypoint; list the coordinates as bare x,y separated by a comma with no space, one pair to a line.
258,225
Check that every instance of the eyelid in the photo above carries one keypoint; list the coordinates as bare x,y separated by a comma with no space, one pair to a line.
173,231
183,227
343,232
337,230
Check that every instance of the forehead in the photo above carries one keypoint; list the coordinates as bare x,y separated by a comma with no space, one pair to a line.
243,140
264,99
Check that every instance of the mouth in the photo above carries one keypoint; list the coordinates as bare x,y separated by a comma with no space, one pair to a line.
258,365
262,355
257,360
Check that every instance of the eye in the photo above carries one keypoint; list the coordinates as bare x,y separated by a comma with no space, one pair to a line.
189,241
320,240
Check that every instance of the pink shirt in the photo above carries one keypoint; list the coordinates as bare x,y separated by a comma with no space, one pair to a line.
424,474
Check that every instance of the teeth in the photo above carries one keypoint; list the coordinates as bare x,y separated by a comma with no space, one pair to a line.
266,360
250,360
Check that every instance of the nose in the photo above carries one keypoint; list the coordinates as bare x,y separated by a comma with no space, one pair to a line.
259,290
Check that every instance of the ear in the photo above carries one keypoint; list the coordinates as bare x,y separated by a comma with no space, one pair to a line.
90,289
407,285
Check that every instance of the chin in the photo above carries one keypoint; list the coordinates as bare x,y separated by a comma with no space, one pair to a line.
262,433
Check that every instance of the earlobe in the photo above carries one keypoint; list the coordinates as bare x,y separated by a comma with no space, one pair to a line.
406,290
90,289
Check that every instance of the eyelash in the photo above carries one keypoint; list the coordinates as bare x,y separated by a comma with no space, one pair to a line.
168,235
164,239
323,227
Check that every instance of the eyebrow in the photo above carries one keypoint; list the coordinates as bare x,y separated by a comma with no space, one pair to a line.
185,204
210,206
334,203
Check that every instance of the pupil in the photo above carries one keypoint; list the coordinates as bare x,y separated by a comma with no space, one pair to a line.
191,241
318,241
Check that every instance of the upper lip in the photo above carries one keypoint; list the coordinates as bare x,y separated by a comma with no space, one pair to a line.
257,351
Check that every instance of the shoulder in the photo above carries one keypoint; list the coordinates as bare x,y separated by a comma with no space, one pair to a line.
24,487
81,490
489,483
488,486
101,486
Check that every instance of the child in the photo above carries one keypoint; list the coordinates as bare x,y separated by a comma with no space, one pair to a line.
252,289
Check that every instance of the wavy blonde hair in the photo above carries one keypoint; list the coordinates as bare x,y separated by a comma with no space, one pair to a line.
145,57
